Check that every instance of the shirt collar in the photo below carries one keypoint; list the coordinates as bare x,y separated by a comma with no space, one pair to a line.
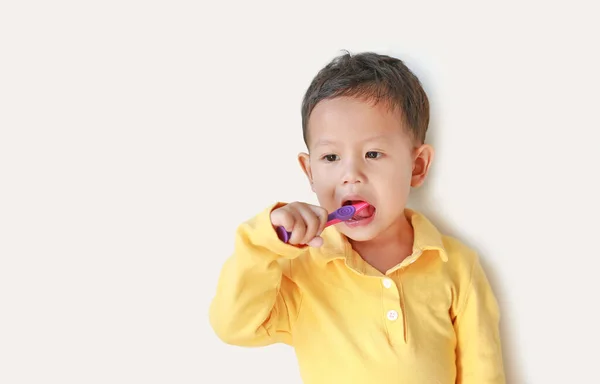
426,237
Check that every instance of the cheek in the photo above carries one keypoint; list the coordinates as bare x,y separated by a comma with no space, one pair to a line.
395,181
322,176
323,185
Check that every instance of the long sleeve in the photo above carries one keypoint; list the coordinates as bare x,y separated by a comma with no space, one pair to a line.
479,352
256,301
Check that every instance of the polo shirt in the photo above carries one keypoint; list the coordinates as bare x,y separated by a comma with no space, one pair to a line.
433,318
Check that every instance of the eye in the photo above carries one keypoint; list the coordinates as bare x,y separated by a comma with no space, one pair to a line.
373,154
330,158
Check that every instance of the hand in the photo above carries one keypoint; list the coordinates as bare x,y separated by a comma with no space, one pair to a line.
304,221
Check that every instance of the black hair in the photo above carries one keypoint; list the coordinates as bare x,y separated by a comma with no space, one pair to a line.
373,77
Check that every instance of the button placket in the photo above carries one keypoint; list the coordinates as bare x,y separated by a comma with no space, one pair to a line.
387,282
392,315
392,310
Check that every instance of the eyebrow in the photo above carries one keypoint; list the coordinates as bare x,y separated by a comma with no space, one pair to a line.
328,141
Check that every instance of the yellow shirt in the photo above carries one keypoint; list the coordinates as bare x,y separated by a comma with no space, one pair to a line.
433,319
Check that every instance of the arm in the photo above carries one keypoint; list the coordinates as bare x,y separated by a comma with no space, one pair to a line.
479,354
256,302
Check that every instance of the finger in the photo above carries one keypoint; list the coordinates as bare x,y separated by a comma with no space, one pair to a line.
298,228
316,242
283,218
322,215
312,223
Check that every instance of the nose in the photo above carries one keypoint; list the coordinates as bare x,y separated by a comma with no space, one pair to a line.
353,172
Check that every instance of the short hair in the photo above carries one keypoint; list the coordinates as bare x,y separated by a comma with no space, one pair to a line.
374,77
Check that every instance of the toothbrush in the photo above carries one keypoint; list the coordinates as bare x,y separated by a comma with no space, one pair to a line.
341,214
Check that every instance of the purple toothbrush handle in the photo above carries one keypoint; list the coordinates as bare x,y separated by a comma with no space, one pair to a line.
340,214
283,234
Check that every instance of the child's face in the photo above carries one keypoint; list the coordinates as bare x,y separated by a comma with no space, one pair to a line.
360,151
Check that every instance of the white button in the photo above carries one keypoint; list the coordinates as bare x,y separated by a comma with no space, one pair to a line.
387,283
392,315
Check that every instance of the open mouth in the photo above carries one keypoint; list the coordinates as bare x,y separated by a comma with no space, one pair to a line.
363,214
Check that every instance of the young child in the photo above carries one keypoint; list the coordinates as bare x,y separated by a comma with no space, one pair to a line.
384,298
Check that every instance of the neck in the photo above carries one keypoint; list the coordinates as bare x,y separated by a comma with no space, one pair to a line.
389,248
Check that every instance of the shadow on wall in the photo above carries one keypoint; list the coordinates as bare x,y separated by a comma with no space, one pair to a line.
422,199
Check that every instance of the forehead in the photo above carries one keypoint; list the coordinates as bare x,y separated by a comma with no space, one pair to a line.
353,120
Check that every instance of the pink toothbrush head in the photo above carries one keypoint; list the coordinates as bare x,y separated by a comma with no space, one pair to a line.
344,213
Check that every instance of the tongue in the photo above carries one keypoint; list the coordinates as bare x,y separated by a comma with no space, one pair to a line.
364,213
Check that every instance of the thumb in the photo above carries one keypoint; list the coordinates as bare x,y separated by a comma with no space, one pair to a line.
316,242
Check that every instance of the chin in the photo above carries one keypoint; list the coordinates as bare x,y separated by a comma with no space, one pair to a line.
359,238
359,234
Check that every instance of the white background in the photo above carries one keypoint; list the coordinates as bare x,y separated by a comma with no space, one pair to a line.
135,137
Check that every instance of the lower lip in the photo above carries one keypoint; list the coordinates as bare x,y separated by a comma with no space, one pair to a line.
361,223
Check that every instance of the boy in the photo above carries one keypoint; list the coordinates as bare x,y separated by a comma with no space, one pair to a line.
384,298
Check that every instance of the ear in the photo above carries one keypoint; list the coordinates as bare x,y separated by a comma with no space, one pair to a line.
423,158
304,160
